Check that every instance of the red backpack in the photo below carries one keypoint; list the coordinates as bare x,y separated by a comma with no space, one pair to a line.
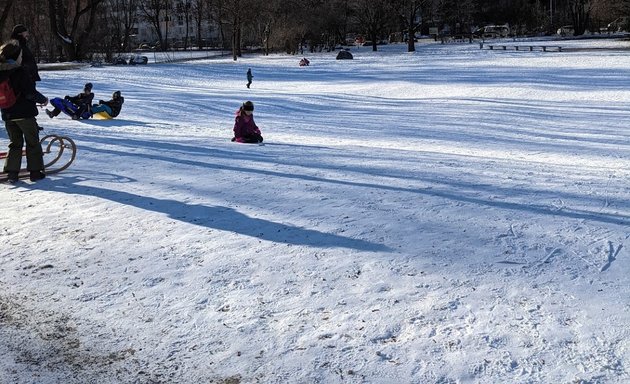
7,96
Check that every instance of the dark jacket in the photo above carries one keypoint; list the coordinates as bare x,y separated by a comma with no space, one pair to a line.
28,60
82,99
114,104
24,88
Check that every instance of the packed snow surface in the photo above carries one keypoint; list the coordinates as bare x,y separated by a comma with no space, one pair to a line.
453,215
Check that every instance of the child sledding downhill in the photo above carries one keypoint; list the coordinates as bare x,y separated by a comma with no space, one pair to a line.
245,129
109,109
77,107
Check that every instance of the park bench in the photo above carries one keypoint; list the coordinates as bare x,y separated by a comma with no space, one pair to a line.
543,48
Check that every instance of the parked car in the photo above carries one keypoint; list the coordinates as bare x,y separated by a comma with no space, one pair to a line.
618,25
492,31
146,47
137,59
119,60
566,30
478,32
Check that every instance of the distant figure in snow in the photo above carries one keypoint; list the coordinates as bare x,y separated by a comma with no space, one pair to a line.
249,77
245,129
304,62
111,107
78,107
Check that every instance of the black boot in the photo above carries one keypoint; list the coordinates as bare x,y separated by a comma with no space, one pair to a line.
37,175
12,177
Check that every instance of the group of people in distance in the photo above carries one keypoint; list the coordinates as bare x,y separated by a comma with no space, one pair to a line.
19,99
81,107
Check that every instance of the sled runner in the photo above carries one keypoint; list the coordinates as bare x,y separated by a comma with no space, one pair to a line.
59,153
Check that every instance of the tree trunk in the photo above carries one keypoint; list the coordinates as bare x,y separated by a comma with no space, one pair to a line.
5,13
74,42
234,39
580,14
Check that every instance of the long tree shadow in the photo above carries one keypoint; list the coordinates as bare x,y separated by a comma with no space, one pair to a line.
221,218
450,185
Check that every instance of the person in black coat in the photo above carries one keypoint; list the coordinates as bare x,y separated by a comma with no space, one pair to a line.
19,118
80,106
21,34
111,107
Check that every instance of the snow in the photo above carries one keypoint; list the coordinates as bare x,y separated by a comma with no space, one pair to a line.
453,215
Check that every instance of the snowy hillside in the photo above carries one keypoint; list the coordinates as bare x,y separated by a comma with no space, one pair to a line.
454,215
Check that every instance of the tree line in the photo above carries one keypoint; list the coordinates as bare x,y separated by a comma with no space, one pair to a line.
78,29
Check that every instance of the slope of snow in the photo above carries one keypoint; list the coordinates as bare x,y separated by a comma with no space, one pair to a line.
447,216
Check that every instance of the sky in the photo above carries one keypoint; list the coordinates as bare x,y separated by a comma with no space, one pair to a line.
453,215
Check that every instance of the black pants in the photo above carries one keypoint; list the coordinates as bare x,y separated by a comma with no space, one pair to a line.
24,131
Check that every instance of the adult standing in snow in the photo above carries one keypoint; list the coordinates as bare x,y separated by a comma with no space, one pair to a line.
249,77
21,34
245,129
19,118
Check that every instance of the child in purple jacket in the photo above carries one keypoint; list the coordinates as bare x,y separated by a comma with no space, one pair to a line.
245,129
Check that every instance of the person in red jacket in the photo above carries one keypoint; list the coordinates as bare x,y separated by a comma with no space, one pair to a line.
245,129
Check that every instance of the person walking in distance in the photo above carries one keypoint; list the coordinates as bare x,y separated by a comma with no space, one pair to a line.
249,77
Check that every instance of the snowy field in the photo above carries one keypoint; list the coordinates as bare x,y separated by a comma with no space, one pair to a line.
453,215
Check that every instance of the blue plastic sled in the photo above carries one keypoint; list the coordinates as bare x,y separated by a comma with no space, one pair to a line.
68,107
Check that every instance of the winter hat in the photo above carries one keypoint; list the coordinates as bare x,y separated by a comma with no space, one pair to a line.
116,95
19,28
10,50
88,86
248,106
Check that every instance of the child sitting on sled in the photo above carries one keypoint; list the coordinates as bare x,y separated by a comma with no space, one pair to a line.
78,107
245,129
111,107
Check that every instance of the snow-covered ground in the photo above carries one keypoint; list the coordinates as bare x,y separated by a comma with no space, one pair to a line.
454,215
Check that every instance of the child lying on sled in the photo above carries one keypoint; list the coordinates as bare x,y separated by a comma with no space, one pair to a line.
77,107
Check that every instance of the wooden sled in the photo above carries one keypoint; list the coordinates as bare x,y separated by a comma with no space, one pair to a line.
59,153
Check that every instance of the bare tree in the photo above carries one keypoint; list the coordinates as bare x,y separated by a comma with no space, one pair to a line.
217,15
6,8
121,20
580,11
372,16
183,12
409,13
71,22
156,13
200,14
229,14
